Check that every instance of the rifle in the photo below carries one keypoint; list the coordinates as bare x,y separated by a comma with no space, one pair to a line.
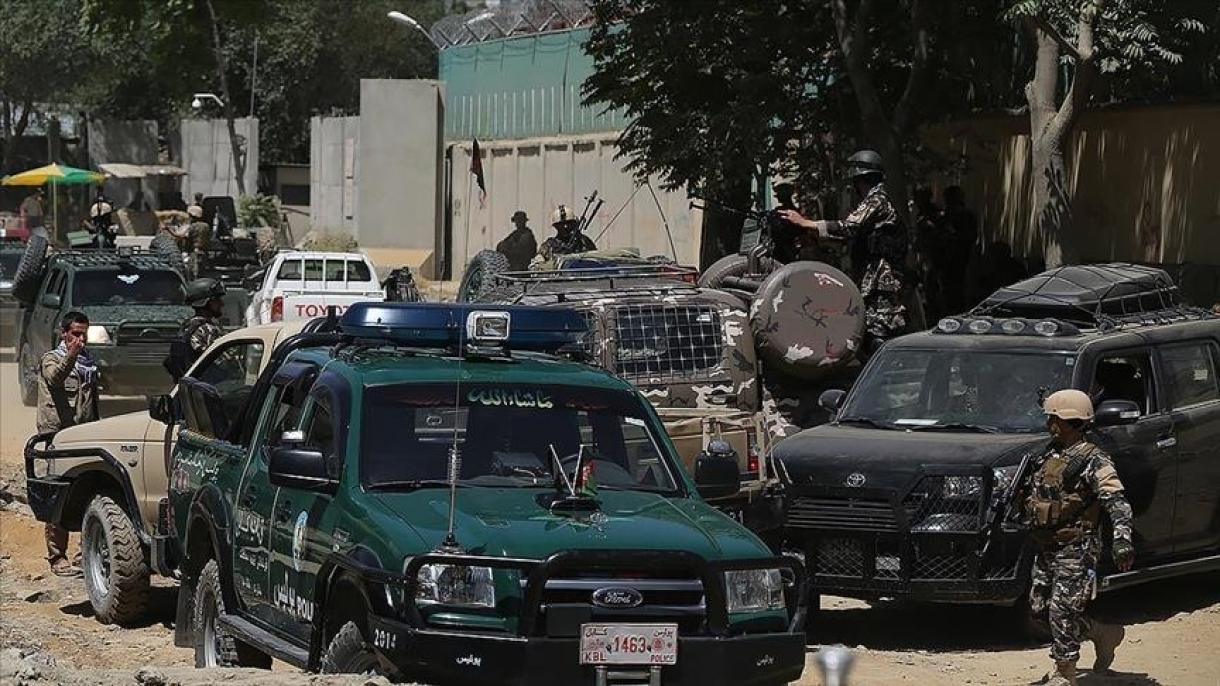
592,202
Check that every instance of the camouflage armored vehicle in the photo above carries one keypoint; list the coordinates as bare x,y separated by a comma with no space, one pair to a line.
698,353
108,479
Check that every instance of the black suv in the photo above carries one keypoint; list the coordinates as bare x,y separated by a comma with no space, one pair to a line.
134,302
907,493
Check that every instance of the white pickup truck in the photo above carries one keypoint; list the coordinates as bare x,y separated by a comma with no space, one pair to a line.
302,284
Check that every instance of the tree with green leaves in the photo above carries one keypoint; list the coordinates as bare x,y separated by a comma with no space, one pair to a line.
1079,44
716,92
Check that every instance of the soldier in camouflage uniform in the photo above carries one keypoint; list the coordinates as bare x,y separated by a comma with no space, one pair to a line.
567,239
1068,487
878,239
201,330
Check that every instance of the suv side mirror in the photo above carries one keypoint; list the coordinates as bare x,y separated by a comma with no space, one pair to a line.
831,400
1116,413
300,468
161,408
716,477
51,300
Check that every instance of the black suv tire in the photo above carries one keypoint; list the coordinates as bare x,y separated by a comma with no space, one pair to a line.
349,653
113,561
477,280
27,376
28,276
225,649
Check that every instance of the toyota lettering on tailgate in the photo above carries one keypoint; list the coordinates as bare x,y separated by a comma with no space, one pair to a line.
311,310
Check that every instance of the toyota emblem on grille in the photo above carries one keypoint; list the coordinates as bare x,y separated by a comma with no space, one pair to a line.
617,597
855,480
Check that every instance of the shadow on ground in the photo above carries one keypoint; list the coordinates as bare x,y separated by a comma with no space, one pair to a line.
161,605
886,625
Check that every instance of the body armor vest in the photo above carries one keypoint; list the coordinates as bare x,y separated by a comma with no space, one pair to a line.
1059,503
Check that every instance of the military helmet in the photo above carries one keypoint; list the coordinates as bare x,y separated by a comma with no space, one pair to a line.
100,208
195,211
1068,404
200,291
562,215
863,163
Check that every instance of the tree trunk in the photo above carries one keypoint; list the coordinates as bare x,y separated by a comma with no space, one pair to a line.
235,145
1052,208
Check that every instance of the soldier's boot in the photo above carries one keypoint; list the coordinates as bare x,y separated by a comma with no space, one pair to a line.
1106,638
1064,674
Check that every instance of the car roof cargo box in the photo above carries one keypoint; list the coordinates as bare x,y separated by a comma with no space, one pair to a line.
1086,294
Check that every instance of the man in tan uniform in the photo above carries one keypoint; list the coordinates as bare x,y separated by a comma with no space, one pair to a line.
67,395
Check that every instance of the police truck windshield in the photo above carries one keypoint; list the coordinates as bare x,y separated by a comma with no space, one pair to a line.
957,390
113,287
508,435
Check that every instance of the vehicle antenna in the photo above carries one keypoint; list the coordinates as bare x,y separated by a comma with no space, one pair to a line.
450,545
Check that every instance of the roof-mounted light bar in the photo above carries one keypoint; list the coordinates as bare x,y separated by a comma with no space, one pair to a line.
514,327
1011,326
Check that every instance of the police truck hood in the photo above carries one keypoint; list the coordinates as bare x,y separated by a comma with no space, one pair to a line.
516,522
827,455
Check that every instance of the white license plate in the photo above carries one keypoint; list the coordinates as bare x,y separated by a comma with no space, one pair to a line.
628,644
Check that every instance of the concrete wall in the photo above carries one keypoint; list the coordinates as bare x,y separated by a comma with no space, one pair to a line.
114,140
535,175
398,177
1143,182
333,156
208,160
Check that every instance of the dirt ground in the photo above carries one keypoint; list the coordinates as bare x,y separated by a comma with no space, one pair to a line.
48,634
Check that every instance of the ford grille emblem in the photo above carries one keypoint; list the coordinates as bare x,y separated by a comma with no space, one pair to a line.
617,597
855,480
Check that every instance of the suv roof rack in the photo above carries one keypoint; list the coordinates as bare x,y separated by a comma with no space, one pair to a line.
1104,296
105,257
619,277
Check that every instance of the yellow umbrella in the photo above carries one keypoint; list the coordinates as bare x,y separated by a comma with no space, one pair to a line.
54,174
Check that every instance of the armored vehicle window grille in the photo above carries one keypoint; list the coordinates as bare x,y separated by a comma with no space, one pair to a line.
1007,571
857,514
941,568
942,503
839,557
662,342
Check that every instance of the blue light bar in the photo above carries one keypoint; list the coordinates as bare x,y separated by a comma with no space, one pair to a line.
515,327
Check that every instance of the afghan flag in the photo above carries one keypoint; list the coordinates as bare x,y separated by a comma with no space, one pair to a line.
476,168
586,485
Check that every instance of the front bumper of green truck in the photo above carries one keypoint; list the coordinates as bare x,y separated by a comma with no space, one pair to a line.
545,645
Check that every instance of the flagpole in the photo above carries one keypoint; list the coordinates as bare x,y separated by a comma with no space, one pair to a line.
469,190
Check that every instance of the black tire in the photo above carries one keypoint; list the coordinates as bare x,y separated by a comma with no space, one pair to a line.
477,280
27,376
114,563
28,276
164,246
732,265
349,653
215,647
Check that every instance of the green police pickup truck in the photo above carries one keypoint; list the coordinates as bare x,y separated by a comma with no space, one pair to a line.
440,492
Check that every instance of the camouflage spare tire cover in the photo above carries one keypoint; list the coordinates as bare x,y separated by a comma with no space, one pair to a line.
808,319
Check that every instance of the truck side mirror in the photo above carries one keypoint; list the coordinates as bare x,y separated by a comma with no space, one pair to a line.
300,468
51,301
161,408
832,400
716,476
1116,413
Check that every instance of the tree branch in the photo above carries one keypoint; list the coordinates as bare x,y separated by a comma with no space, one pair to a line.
920,39
1081,90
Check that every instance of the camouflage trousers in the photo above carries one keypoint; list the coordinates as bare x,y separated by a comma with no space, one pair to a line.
884,314
1063,580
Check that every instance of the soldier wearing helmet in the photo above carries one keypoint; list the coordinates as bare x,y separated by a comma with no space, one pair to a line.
878,240
568,238
1063,498
201,330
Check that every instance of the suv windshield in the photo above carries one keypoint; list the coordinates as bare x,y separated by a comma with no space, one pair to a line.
108,287
508,435
962,390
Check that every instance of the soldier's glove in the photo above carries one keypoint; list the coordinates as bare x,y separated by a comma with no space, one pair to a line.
1124,554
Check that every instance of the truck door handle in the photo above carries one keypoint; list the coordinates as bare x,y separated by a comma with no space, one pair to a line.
282,512
247,500
1167,442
